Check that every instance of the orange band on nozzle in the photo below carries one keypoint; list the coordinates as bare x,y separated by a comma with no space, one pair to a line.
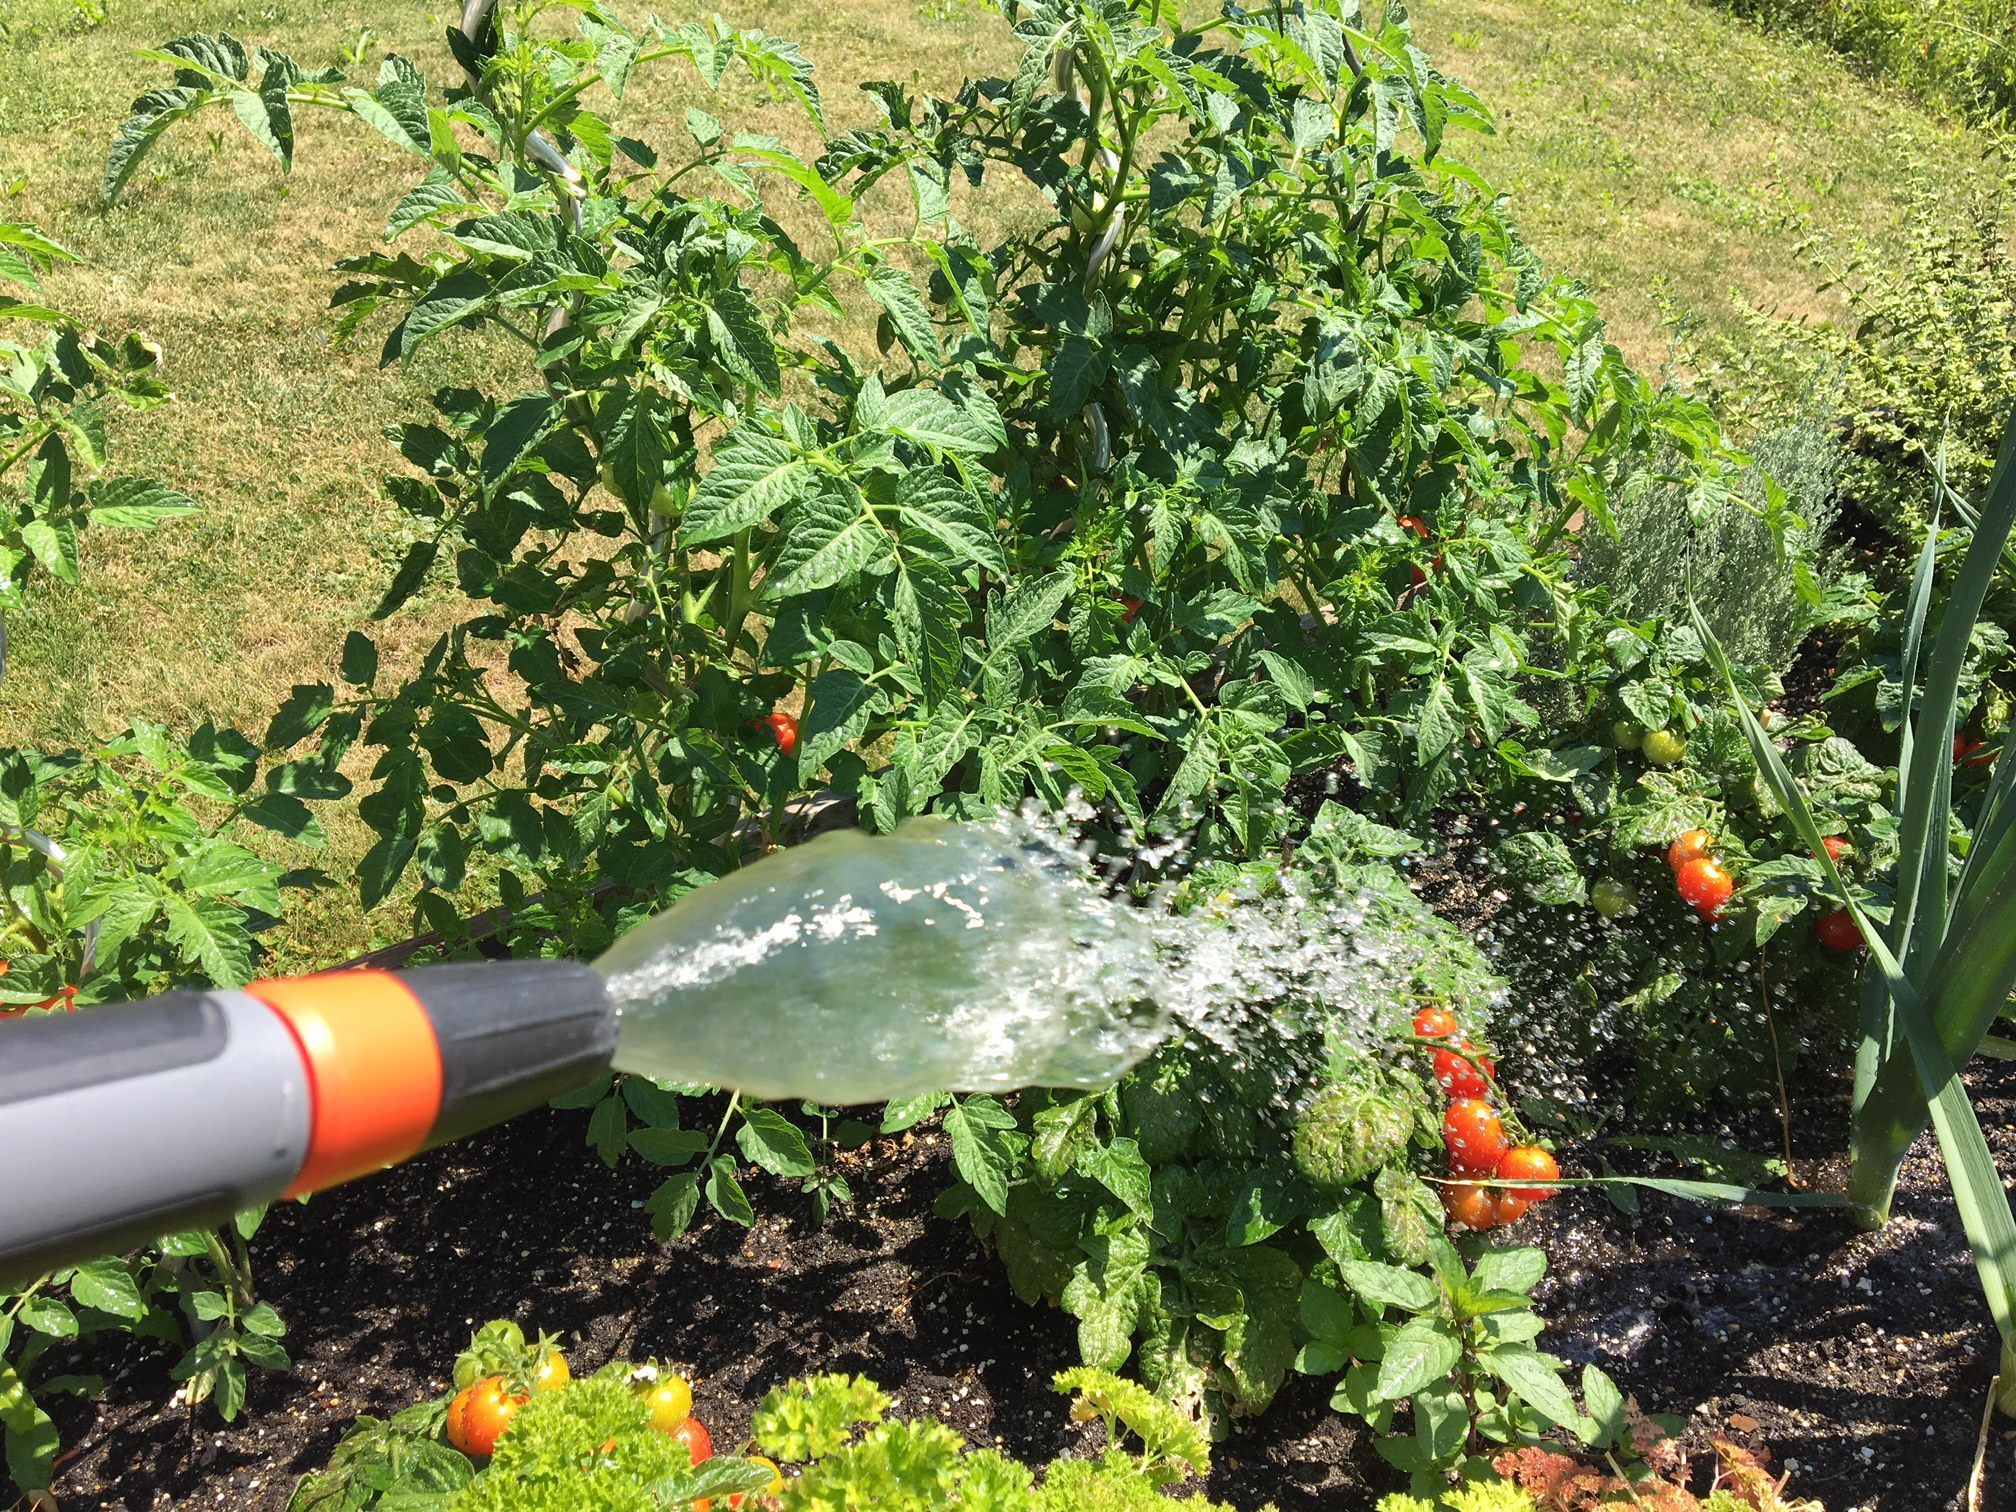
374,1070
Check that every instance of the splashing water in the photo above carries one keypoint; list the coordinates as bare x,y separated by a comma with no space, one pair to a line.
857,968
961,957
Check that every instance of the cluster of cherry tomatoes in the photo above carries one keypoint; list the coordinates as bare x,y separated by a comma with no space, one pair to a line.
482,1412
1704,884
1474,1134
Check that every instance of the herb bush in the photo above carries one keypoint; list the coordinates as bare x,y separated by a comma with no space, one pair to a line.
830,1440
829,1444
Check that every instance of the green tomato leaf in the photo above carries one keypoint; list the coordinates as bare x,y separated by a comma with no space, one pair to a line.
725,1194
755,475
32,1440
841,704
770,1140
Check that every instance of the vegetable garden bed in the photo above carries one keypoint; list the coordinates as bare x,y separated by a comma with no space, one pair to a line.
1173,436
1804,1333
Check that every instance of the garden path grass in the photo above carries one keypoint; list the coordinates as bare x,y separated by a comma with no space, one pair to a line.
1665,154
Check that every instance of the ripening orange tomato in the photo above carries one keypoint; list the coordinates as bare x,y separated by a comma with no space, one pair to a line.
1471,1207
1435,1022
1691,846
479,1416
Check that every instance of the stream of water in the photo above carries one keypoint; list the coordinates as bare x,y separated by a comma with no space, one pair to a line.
860,968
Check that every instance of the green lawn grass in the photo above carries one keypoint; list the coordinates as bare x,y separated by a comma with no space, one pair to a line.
1662,153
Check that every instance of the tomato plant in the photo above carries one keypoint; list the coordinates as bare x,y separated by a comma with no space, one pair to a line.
60,385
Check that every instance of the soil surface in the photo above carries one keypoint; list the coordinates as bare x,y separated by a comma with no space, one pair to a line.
1864,1358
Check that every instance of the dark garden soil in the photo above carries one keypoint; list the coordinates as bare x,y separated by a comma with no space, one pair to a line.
1865,1358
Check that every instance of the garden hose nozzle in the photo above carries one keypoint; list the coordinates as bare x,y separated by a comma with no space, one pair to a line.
123,1123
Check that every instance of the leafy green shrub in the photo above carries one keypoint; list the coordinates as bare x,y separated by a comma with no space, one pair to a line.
1957,53
1928,356
125,868
1109,500
1225,1216
1246,450
155,888
1680,1003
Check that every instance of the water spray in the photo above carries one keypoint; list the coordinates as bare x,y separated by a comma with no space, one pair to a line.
850,969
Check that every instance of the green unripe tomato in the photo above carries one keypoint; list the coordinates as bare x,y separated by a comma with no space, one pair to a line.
608,477
1628,734
1082,216
661,500
1663,748
1611,898
1133,278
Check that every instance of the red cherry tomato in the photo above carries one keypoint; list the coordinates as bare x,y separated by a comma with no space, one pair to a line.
1528,1163
485,1412
1837,847
1706,887
1470,1207
785,729
1132,607
698,1441
1474,1135
1464,1075
1420,527
1435,1023
1691,846
1837,930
